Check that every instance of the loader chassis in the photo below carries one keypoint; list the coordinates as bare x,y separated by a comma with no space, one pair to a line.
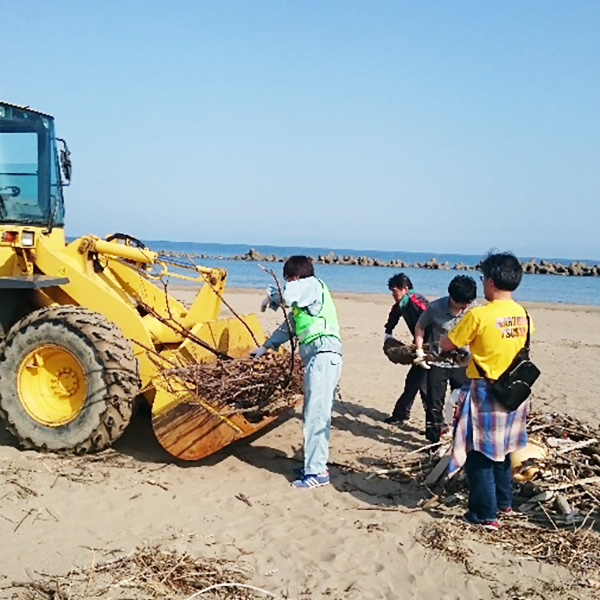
85,326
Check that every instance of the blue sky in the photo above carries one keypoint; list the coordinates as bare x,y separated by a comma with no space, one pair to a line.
442,126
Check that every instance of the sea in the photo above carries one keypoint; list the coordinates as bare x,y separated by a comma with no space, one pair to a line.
371,280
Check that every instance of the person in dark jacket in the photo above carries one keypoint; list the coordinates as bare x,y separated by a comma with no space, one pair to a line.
408,305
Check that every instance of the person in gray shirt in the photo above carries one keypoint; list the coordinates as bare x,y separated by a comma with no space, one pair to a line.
443,368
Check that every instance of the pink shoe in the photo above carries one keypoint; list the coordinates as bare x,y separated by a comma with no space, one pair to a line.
471,518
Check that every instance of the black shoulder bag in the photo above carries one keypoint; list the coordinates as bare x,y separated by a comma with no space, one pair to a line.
513,387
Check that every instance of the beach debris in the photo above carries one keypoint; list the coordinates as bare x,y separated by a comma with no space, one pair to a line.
557,478
149,571
243,498
556,515
577,549
438,471
404,354
525,462
400,353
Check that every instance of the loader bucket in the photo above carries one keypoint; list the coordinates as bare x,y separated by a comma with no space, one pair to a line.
191,429
189,426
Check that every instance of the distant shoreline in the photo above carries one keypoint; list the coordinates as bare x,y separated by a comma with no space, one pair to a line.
543,267
183,291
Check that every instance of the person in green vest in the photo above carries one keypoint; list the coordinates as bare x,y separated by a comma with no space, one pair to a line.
314,322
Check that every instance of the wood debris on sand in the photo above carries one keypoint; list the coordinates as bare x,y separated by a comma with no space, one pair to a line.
147,572
563,489
557,511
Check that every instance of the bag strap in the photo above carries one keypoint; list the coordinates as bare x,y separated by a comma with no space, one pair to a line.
527,340
528,330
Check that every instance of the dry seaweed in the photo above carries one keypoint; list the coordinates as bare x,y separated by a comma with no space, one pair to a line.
147,572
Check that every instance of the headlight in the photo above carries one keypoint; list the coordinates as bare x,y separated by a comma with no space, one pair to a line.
27,238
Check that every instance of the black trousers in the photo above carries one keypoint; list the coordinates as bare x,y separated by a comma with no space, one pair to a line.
415,382
437,382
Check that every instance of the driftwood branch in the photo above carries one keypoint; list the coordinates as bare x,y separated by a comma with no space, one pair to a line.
285,314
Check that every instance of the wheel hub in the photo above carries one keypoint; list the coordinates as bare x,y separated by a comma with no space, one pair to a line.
65,383
52,385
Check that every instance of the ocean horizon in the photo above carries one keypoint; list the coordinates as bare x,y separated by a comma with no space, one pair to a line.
373,279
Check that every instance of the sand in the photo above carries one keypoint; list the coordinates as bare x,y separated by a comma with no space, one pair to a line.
358,538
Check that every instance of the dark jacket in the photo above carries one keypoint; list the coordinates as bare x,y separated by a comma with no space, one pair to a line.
411,312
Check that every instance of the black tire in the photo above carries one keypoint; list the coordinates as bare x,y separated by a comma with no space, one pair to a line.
109,372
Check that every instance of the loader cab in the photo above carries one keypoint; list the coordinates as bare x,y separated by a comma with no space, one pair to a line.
30,182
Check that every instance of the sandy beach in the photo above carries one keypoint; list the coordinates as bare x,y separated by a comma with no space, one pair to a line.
359,538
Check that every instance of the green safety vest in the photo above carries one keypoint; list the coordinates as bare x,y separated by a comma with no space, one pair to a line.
309,327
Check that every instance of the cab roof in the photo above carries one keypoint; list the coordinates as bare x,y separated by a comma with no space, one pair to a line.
26,108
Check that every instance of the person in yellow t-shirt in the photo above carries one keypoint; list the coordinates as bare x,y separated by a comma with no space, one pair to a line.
485,433
494,333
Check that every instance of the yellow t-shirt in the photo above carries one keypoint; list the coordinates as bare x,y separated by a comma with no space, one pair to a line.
494,333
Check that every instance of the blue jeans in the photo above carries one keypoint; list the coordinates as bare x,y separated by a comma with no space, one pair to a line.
321,376
490,485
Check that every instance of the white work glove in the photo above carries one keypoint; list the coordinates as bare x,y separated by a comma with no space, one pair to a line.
387,336
265,303
258,352
421,359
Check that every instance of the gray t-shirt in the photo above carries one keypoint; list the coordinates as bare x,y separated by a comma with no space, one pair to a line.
437,320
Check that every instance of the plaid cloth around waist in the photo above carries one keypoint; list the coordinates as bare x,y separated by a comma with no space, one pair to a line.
483,425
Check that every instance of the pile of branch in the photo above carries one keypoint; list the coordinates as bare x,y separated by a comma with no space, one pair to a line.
557,517
256,387
565,488
147,572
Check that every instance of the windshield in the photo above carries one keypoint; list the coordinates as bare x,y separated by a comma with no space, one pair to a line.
30,187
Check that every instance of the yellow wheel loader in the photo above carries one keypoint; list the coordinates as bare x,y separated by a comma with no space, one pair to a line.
86,328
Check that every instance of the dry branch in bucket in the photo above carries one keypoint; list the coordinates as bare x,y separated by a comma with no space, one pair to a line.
257,388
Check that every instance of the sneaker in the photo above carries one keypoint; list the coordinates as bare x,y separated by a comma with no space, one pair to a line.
394,420
311,481
469,517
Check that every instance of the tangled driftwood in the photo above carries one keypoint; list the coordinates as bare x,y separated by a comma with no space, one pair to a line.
565,488
405,354
578,550
257,388
557,514
147,572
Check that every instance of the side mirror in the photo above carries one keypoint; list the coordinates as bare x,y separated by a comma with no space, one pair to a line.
65,160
